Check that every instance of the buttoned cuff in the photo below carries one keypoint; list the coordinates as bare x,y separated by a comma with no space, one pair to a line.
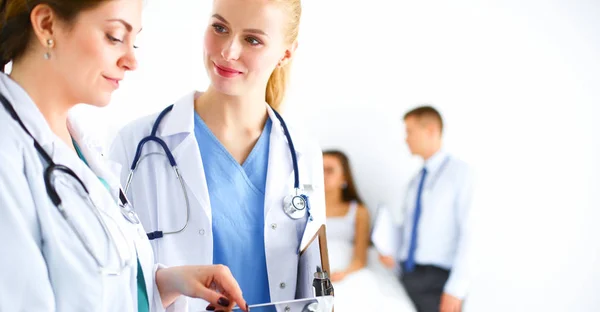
456,287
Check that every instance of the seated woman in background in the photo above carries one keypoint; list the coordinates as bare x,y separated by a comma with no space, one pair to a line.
347,218
360,281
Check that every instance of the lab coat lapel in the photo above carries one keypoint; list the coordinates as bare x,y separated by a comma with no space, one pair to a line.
280,165
28,112
191,168
109,171
91,149
180,122
313,190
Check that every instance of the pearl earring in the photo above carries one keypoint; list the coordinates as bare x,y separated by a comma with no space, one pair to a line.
50,44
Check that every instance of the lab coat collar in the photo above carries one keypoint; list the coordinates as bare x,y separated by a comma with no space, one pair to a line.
92,151
181,120
280,164
37,125
277,127
28,112
434,162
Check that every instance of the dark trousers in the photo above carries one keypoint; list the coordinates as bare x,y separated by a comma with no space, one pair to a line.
425,286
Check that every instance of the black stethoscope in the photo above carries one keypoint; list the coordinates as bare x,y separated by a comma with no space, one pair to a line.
50,174
295,205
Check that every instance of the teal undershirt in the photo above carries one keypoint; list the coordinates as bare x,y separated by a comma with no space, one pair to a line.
142,295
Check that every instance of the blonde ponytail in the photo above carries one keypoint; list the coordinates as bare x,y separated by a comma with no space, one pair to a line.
277,85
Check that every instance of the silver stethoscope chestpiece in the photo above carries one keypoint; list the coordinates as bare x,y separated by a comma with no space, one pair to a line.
129,214
126,209
295,206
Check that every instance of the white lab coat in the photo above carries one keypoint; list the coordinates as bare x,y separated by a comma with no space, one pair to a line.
43,266
158,199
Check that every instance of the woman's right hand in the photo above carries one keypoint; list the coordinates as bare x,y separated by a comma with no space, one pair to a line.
200,281
387,261
338,276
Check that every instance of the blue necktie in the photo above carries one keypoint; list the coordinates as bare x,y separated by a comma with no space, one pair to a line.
409,264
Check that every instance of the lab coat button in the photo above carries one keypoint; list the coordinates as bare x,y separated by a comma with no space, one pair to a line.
282,285
274,226
288,309
201,232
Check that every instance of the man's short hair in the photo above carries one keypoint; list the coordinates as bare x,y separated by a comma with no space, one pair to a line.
426,112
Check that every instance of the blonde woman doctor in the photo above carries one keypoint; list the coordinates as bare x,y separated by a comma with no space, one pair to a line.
71,241
217,171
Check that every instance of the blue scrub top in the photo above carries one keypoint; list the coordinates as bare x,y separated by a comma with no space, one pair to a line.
237,199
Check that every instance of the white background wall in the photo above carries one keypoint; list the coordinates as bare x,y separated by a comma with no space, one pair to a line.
518,83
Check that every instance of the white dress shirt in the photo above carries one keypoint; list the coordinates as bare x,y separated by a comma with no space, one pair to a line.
442,230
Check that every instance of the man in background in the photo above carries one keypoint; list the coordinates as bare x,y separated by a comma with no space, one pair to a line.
435,233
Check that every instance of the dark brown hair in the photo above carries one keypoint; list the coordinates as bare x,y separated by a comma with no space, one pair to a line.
349,193
15,23
426,112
